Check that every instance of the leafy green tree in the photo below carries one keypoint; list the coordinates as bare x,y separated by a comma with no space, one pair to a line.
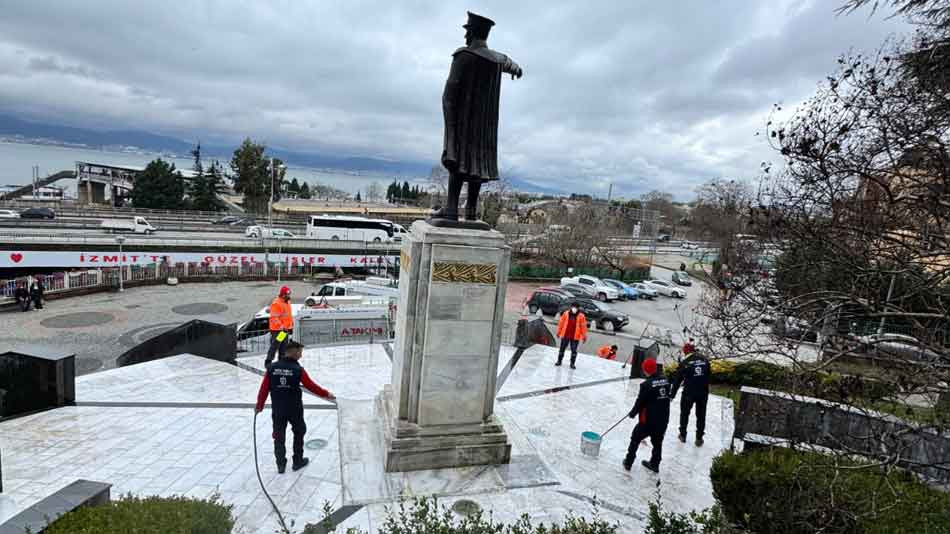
304,191
159,186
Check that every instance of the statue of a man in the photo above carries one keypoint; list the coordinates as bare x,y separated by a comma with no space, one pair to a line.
470,108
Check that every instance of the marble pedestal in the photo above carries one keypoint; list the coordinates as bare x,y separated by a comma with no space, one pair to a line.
439,410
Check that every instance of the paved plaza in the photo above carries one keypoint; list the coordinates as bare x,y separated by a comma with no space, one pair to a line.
102,326
183,425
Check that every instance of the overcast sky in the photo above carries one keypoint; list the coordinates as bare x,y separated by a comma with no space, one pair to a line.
640,93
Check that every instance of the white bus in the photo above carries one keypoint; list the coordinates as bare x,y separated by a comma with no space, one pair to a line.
349,228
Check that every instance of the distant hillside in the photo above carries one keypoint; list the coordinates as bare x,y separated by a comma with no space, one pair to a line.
11,126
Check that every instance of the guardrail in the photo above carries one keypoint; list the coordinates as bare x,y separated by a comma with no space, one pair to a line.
241,242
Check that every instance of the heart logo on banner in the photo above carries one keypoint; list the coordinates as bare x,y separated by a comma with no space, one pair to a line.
16,257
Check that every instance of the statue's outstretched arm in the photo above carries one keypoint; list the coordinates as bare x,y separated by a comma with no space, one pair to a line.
510,67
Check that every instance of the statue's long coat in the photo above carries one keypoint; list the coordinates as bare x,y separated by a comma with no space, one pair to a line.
470,108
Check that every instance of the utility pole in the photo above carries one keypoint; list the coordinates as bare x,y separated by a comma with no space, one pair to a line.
270,199
610,191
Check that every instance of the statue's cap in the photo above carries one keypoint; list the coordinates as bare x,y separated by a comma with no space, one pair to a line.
478,23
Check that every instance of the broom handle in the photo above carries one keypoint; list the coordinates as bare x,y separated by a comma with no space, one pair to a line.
613,427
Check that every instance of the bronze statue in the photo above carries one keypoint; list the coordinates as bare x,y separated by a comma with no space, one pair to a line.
470,109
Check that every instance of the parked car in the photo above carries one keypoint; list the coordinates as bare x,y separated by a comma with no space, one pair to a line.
644,291
579,291
38,213
601,290
227,219
666,288
550,300
246,221
627,292
9,214
897,345
682,278
686,245
599,314
662,238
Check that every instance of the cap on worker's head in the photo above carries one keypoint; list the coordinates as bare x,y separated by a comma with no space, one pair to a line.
649,366
614,347
690,340
284,290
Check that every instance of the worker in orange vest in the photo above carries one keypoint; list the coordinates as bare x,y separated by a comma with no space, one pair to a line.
281,325
572,329
608,352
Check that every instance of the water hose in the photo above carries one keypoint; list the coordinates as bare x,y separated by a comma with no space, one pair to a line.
280,517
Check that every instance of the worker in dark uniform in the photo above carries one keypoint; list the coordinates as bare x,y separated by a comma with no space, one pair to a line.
37,293
22,296
653,410
693,374
282,381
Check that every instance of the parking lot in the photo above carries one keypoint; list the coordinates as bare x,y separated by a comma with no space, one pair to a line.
647,317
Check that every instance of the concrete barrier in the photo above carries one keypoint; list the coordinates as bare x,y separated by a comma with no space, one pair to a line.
775,418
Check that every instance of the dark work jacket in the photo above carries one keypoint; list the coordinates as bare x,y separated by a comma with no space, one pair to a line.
470,109
282,381
653,403
693,374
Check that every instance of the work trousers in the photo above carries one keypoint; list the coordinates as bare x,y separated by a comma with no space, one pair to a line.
278,347
280,435
564,343
686,405
640,433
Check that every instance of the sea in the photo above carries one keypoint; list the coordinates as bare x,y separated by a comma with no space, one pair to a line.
18,159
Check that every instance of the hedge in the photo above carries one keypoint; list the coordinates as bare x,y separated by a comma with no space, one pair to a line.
782,490
637,274
820,384
148,515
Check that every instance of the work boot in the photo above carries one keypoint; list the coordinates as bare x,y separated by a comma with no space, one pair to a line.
572,366
651,467
627,464
683,438
281,468
699,441
557,363
303,463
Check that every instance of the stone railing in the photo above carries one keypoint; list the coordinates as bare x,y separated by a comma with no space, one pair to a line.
780,419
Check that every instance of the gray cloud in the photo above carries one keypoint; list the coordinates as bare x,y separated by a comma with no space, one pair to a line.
641,94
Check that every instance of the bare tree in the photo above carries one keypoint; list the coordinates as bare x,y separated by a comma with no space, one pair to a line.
857,227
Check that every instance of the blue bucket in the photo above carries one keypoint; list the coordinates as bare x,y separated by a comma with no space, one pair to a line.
590,443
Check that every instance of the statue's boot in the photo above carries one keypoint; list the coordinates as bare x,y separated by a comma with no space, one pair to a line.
445,213
470,214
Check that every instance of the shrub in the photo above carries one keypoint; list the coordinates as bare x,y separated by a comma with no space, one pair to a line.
782,490
149,515
708,521
426,516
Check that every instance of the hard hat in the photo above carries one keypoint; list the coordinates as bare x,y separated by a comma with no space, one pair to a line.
284,291
649,366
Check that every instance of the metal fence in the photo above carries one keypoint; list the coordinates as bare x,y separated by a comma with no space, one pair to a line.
108,278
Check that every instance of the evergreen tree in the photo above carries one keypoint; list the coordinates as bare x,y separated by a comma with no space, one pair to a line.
405,193
358,199
204,191
251,175
294,188
159,186
304,191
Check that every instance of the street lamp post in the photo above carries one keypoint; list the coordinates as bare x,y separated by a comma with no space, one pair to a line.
270,201
279,265
120,240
